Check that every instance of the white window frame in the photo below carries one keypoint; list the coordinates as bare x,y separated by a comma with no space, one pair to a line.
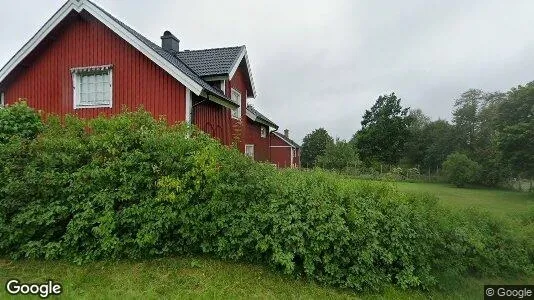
263,132
223,86
78,72
249,146
238,110
2,100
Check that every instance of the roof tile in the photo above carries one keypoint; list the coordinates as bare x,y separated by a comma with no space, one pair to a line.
209,62
170,58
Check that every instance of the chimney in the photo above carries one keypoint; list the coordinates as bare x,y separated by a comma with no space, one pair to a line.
170,43
286,133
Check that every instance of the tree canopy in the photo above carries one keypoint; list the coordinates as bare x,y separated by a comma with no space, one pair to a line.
315,144
490,131
516,124
340,155
384,131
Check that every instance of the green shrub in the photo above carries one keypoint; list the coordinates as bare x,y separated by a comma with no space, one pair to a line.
132,187
18,120
413,173
460,170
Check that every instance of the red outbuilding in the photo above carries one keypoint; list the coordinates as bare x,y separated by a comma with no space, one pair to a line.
86,62
285,153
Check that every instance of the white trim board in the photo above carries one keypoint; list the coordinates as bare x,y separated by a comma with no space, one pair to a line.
223,86
242,55
227,104
215,78
253,117
78,6
188,106
284,138
232,92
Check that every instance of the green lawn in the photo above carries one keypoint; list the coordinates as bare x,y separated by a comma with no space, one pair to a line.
168,278
188,278
499,202
206,278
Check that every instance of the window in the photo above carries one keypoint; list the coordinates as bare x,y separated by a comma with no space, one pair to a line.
93,86
263,132
2,100
249,151
236,97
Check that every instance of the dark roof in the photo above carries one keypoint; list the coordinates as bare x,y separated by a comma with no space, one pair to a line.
170,58
286,139
210,62
261,117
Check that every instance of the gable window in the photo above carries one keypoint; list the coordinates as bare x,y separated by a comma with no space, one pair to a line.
263,132
236,97
93,86
249,151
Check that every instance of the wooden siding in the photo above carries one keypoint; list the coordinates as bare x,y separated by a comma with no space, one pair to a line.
239,127
281,153
253,137
46,80
213,119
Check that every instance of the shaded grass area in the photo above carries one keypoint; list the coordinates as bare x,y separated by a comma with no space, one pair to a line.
499,202
201,277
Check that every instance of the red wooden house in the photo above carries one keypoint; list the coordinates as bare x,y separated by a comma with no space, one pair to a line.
285,153
258,137
86,62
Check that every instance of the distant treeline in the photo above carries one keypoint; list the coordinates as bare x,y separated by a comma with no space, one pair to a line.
489,141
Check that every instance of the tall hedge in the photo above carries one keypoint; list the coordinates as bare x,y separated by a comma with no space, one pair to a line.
19,121
133,187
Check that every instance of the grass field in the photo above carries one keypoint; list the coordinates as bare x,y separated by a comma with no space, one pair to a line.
207,278
499,202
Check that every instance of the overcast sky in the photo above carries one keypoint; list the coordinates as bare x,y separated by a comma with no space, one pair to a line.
323,63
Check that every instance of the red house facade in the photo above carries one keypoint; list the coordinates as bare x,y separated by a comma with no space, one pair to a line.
258,137
84,61
285,153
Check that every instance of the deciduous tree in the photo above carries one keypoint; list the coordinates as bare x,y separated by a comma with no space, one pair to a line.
314,144
384,131
339,156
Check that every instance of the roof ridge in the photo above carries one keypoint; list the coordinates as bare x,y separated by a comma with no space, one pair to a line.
207,49
159,48
286,139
